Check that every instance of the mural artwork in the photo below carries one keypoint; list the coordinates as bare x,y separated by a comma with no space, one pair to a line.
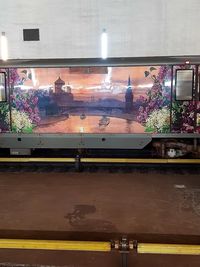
91,100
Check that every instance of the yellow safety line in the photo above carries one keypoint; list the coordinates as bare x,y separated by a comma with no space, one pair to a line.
136,160
55,245
142,248
104,160
168,249
119,160
183,161
37,160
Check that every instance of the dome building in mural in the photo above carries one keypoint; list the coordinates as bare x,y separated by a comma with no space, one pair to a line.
59,83
62,96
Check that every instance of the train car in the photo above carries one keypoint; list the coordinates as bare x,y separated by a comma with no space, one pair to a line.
95,104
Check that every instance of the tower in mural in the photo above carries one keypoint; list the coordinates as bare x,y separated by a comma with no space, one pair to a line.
129,97
58,85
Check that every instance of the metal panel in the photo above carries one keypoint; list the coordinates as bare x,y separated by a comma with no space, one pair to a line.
176,135
114,141
20,151
88,62
128,141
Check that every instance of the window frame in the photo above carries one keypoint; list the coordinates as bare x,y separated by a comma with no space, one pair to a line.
5,86
193,79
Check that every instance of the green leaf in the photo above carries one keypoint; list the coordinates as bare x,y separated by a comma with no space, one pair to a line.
30,76
24,71
146,73
165,129
152,69
14,129
27,130
149,129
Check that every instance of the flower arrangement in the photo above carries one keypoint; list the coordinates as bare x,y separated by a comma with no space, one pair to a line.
184,119
21,122
26,102
14,76
198,119
25,113
158,121
4,117
157,100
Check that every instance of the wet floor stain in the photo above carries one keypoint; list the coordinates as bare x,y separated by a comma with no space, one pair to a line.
191,201
80,211
79,220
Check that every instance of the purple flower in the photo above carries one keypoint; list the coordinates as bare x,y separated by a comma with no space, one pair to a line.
26,102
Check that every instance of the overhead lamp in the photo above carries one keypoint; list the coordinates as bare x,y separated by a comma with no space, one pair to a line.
104,44
4,46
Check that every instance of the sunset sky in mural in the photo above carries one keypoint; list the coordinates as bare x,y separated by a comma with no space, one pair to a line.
112,84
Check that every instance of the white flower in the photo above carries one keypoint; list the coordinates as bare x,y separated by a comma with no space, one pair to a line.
159,120
20,121
198,119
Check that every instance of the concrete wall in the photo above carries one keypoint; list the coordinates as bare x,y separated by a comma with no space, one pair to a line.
72,28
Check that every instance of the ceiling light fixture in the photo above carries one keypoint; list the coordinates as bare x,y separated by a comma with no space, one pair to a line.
104,44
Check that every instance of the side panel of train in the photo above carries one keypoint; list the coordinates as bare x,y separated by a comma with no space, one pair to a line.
130,100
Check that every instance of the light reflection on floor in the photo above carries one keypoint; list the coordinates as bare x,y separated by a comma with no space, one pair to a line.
91,124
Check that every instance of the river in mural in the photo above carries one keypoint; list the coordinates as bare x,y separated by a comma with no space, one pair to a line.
91,124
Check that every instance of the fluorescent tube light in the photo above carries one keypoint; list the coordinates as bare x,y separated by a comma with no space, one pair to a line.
104,44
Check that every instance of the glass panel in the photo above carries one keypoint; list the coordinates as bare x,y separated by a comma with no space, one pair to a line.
2,86
184,84
183,115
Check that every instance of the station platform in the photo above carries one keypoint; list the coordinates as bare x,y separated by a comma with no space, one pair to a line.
145,204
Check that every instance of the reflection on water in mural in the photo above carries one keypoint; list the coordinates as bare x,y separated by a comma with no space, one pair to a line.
91,124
